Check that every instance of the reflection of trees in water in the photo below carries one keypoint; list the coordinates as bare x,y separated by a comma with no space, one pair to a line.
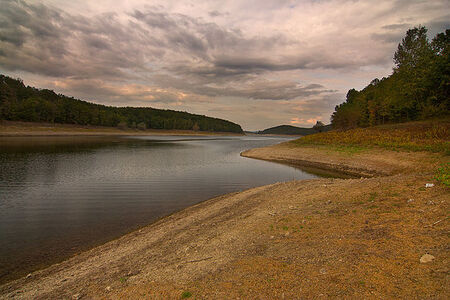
31,159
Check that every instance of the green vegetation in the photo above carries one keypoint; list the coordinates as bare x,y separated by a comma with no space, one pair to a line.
123,279
443,174
418,89
288,129
433,136
186,294
23,103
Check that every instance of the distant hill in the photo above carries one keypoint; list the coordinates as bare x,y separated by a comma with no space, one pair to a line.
292,130
24,103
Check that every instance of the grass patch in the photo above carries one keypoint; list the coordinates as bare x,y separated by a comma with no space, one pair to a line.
443,174
123,279
186,294
432,136
373,196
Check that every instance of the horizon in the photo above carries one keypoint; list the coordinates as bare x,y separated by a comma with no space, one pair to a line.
259,65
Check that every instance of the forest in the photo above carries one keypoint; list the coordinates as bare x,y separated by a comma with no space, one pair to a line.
418,88
24,103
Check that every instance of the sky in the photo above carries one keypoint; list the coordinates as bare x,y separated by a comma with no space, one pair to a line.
257,63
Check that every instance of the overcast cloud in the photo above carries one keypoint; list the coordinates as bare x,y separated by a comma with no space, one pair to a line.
257,63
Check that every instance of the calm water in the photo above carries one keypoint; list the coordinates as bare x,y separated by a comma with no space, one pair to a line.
59,196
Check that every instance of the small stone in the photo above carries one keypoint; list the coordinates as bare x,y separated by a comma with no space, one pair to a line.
108,289
286,234
426,258
29,275
429,185
272,237
76,297
323,271
410,200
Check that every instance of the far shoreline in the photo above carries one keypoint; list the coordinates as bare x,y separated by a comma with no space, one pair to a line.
33,129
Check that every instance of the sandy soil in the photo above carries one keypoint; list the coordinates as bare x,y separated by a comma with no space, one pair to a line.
9,128
333,238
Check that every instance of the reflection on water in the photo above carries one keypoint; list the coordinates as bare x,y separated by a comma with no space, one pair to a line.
62,195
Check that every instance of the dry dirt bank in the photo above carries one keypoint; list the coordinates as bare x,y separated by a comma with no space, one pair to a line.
9,128
351,238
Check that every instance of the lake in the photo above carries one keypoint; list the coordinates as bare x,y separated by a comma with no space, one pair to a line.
63,195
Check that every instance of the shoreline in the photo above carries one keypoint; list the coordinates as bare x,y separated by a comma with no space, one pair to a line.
200,247
30,129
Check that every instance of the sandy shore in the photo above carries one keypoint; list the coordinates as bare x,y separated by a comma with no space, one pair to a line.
338,238
24,129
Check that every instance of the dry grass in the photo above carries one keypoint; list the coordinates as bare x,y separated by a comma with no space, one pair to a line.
433,136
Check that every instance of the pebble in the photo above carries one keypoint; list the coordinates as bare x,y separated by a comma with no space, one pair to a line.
323,271
108,289
428,185
410,200
29,275
426,258
76,296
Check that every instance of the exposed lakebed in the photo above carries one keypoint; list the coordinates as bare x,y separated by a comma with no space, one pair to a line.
63,195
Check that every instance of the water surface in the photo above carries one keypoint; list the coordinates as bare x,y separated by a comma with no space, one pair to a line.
63,195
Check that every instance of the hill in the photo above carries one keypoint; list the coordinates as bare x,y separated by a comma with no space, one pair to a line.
24,103
292,130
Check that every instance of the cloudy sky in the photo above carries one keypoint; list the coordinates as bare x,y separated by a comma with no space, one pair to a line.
256,63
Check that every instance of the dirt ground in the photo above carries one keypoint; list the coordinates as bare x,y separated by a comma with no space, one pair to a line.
321,238
13,128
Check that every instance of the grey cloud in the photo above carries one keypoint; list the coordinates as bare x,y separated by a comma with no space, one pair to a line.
215,13
276,91
397,26
249,87
438,25
390,37
173,51
59,44
317,105
46,41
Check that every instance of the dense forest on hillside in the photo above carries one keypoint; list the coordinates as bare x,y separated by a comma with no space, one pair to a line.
294,130
418,89
23,103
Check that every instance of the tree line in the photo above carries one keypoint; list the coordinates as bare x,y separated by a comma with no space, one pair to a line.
418,88
24,103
